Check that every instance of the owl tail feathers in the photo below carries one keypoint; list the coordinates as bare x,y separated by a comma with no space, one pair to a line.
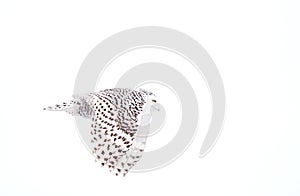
77,107
71,107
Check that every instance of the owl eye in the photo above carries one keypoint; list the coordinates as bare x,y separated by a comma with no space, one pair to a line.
154,101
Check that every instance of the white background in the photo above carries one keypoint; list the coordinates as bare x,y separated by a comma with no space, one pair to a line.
255,45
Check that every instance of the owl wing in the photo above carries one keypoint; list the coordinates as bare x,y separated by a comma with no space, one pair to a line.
115,121
131,157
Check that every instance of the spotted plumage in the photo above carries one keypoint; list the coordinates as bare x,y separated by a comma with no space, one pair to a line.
120,120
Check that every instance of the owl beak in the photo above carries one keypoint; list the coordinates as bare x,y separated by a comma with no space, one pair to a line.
156,107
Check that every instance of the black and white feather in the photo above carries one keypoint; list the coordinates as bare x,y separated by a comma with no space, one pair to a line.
120,123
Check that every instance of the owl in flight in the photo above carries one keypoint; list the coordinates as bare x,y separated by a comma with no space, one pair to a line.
120,121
